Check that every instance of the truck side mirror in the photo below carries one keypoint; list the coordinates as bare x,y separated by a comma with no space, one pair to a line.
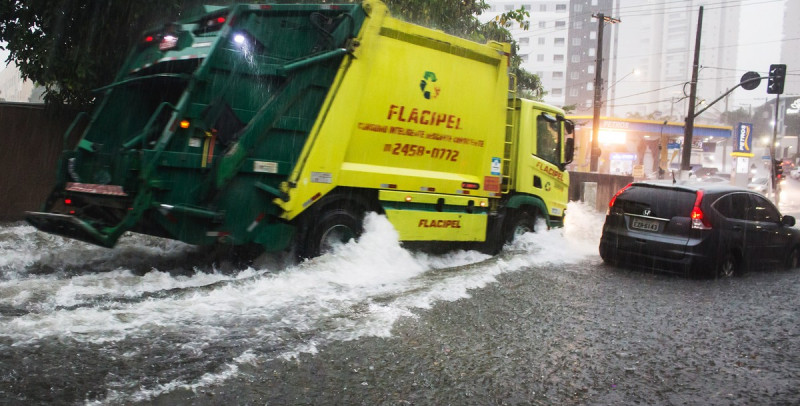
569,150
569,126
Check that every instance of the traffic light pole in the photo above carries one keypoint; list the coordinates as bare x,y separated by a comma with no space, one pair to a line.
775,81
773,168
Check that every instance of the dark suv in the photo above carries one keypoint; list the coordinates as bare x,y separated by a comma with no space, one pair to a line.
716,230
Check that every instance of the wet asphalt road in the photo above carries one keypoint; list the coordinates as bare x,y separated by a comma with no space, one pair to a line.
555,335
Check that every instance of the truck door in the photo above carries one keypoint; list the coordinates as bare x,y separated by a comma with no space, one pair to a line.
546,176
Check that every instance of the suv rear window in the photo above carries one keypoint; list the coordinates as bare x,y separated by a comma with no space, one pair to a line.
662,202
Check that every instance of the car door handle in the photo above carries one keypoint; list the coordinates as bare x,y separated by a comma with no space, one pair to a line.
737,228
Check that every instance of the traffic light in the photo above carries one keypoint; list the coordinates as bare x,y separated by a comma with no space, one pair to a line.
778,169
777,74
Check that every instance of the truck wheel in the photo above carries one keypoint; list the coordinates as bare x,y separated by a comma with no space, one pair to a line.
334,227
519,223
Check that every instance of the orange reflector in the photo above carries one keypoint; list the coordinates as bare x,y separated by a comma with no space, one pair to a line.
185,123
408,198
483,204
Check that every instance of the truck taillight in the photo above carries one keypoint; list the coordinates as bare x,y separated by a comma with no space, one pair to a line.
614,198
699,222
213,23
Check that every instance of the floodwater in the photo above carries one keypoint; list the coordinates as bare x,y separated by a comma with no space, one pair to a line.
82,324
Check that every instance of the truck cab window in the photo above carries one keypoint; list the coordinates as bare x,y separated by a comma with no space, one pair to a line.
548,131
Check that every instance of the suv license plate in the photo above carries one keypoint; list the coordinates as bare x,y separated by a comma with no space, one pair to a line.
642,224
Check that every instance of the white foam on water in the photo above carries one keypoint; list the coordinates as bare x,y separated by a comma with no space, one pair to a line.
360,289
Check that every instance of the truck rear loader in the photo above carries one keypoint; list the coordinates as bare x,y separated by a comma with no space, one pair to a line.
281,125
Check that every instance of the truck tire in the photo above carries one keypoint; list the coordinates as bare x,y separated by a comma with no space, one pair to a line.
518,223
334,226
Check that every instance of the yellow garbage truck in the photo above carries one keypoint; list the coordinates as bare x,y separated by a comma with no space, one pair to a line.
281,125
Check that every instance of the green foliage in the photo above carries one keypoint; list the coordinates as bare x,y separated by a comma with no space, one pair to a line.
71,47
732,118
459,17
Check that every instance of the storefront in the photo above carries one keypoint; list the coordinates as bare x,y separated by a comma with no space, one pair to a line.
642,147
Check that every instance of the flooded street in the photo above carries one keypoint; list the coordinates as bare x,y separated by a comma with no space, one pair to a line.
545,322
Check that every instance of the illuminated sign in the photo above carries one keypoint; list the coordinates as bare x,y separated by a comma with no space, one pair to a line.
620,156
612,137
744,140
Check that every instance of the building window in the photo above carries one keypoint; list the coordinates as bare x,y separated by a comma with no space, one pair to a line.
558,58
543,7
524,58
524,41
540,58
561,24
573,92
558,75
559,42
542,24
557,91
575,75
509,7
576,42
560,8
593,35
578,25
541,40
590,69
575,58
592,52
527,7
590,86
578,8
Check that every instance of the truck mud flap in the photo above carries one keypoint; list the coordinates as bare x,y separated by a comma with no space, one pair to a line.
68,226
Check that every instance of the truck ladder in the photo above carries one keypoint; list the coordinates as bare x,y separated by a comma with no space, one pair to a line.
507,178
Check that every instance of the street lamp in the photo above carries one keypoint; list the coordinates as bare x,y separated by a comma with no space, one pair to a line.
635,71
613,93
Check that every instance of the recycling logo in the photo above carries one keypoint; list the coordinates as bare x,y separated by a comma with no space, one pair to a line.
428,89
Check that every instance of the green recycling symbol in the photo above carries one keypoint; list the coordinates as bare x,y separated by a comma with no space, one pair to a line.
423,85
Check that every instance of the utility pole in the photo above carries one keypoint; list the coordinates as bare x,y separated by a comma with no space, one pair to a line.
688,128
598,86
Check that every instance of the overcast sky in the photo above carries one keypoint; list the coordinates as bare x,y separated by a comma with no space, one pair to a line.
760,35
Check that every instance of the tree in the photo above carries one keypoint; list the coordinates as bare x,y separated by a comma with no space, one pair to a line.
72,47
733,118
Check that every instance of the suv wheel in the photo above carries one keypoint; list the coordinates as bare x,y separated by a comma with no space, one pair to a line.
793,260
728,267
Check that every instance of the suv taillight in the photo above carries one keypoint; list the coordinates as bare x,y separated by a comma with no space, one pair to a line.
614,198
699,222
